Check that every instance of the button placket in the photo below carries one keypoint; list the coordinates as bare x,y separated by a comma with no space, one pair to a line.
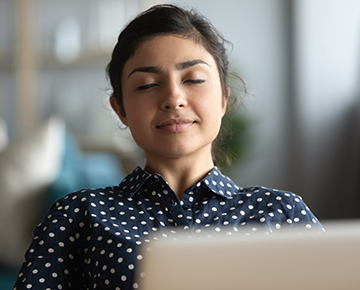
174,212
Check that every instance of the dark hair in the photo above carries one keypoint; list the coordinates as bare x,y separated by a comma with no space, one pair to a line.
164,20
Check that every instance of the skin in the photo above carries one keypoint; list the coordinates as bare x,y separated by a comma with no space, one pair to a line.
173,106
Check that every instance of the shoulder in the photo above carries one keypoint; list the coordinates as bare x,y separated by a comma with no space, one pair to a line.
261,193
269,200
277,204
87,202
84,196
128,186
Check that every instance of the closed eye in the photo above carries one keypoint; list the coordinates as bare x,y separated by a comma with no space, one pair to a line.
145,87
196,81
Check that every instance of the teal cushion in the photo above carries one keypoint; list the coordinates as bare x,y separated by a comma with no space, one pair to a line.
7,278
84,170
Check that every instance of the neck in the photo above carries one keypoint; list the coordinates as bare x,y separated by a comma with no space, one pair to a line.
180,173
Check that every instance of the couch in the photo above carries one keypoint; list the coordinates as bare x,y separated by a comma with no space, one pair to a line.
35,172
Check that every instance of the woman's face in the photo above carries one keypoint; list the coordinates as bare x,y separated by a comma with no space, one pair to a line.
172,98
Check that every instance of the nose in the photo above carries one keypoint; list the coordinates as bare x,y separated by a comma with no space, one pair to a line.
174,98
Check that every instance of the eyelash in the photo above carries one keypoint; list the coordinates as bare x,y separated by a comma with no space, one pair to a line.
197,81
145,87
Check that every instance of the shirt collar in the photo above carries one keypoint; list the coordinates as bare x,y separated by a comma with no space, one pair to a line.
214,180
133,182
220,184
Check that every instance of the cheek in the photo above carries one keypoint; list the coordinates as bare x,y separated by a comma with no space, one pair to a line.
212,113
137,130
139,115
212,104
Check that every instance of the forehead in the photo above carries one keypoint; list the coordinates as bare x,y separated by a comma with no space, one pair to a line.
166,51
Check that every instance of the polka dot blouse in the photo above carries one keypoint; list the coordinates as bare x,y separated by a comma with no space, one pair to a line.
89,239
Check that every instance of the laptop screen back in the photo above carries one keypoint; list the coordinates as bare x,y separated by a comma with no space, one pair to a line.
279,261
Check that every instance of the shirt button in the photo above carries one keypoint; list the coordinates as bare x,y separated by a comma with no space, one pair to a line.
185,206
174,203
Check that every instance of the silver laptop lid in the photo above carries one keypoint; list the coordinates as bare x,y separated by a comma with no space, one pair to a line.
279,261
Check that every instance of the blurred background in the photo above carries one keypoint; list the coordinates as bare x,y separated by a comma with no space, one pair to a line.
299,125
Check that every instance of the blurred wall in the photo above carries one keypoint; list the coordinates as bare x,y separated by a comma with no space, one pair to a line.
327,91
299,59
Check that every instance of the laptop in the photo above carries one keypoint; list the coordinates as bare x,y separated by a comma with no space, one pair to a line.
330,261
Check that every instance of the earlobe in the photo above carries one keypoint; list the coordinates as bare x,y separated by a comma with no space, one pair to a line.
117,109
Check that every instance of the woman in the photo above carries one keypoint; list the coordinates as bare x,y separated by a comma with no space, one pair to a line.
169,74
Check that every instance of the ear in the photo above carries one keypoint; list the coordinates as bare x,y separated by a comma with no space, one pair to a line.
225,101
117,109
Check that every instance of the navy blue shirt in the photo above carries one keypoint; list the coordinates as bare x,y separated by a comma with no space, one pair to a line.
89,239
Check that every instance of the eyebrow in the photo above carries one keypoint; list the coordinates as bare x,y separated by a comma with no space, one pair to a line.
190,63
179,66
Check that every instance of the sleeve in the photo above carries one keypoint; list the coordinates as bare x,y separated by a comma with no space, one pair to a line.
302,217
52,260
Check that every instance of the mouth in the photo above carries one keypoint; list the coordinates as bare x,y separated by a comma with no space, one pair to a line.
175,125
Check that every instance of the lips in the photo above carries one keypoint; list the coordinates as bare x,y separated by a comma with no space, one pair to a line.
175,125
